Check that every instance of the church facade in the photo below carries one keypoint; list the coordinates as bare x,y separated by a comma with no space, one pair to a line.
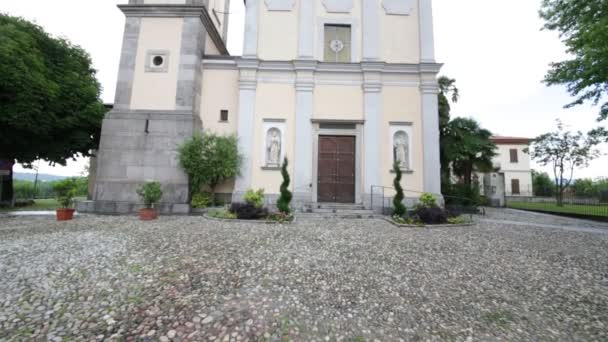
342,88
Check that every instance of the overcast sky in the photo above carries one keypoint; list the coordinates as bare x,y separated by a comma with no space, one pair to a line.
494,49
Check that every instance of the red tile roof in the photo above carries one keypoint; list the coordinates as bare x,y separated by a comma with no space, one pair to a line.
510,140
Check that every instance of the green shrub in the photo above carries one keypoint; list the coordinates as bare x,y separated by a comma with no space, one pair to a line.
399,208
150,193
427,201
222,214
458,220
209,160
65,190
202,200
286,195
255,198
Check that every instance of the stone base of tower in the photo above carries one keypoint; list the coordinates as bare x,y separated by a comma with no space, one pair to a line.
138,147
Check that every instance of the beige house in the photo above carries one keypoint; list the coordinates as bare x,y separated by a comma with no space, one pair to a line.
514,174
343,88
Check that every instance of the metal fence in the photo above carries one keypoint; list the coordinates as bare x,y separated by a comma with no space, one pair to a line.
595,207
382,201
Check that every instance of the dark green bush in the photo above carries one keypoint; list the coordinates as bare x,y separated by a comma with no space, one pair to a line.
248,211
286,195
431,215
398,207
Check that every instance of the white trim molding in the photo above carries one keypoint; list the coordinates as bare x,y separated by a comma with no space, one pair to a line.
405,127
270,125
371,30
250,42
337,6
280,5
398,7
427,40
306,35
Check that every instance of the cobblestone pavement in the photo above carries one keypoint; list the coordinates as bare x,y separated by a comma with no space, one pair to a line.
186,278
540,218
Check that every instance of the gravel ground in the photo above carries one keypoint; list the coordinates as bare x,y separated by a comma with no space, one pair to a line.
540,218
186,278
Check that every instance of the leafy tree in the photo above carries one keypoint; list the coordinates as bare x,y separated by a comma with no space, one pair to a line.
399,209
542,184
209,160
286,195
468,148
583,26
49,98
447,92
584,187
564,151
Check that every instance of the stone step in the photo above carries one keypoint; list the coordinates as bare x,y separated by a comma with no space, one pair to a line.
337,206
342,211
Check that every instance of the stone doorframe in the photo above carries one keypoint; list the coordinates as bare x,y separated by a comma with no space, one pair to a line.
339,128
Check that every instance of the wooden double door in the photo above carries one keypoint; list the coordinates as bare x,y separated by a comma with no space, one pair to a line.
336,174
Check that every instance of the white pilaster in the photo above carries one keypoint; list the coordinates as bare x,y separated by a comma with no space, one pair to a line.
372,98
245,123
250,45
427,40
303,159
430,128
371,30
306,30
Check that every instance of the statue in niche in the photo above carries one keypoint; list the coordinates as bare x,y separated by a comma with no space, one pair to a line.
273,147
401,149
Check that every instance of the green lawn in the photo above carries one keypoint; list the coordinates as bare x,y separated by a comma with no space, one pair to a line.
41,205
589,210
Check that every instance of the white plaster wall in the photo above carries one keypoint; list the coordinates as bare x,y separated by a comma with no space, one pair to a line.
402,104
220,91
504,158
210,48
399,36
157,90
278,33
273,101
525,182
338,102
353,18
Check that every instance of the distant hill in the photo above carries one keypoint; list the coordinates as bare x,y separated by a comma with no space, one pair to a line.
41,177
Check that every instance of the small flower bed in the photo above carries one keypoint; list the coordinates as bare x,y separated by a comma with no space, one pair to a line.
427,212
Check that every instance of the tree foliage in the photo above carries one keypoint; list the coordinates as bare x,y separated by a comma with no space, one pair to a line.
286,195
50,106
398,207
468,148
447,92
583,27
564,151
209,160
542,184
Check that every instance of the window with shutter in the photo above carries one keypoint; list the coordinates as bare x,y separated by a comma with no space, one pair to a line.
514,156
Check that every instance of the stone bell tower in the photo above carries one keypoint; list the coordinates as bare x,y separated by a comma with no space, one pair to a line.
157,103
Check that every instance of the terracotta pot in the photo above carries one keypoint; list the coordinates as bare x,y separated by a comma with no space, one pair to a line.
65,214
148,214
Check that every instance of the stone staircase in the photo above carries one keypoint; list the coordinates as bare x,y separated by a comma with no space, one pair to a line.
338,210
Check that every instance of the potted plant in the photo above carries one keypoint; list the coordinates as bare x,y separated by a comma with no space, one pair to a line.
150,194
65,191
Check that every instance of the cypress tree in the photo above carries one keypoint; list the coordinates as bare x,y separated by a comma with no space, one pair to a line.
399,208
286,195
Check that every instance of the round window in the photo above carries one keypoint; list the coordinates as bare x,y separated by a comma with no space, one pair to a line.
158,60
